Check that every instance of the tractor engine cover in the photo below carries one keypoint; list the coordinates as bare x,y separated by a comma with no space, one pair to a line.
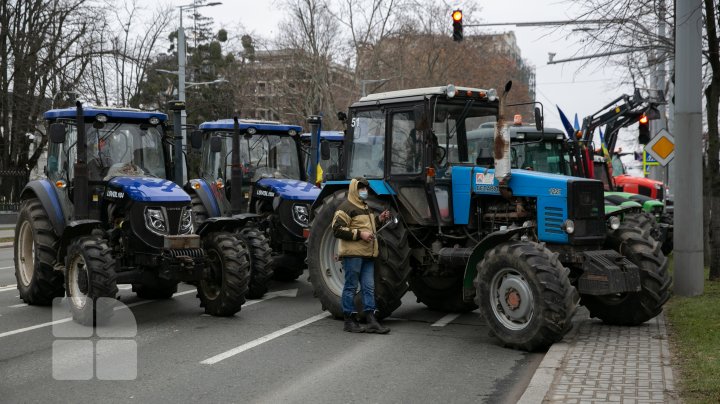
607,272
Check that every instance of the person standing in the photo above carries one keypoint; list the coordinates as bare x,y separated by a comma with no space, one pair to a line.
355,225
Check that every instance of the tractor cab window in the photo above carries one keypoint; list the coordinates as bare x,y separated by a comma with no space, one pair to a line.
124,149
112,150
543,156
272,156
617,165
406,152
455,121
368,145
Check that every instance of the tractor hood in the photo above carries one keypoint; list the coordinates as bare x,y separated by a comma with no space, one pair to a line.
147,189
290,189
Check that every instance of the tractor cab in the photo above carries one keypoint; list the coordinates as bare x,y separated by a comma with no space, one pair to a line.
332,141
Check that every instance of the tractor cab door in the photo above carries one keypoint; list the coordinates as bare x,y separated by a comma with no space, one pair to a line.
407,163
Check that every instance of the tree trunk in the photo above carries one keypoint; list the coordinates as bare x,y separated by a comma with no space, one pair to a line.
712,96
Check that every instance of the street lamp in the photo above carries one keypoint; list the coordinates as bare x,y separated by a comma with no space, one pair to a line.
181,62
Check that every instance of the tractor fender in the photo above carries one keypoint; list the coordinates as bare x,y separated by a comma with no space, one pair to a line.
229,224
621,210
75,228
478,253
202,190
45,192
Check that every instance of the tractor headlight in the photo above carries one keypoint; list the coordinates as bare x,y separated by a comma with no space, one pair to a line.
154,121
155,220
569,226
300,214
186,222
613,222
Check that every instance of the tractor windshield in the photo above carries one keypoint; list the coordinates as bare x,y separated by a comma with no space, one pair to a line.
543,156
113,149
261,156
453,120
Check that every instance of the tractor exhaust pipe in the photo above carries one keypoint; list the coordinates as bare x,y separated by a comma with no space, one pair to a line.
236,173
81,192
502,141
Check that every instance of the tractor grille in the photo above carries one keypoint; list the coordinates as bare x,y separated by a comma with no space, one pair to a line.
553,220
586,200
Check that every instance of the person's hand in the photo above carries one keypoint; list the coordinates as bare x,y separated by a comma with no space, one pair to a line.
367,236
385,215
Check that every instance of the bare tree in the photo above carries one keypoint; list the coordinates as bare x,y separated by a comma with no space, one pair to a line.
44,48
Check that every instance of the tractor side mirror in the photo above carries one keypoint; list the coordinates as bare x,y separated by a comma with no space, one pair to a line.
196,139
539,119
324,150
57,133
215,144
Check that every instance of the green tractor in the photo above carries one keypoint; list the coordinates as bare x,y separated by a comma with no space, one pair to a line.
523,246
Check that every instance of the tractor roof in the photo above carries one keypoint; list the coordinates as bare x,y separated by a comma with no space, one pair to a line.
116,113
330,135
261,126
428,91
518,132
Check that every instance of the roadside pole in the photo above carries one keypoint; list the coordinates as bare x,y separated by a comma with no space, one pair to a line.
689,271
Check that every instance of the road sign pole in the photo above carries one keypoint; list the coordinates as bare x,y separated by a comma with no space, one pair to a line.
688,252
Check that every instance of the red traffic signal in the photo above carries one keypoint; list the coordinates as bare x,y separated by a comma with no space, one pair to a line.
644,119
457,17
643,129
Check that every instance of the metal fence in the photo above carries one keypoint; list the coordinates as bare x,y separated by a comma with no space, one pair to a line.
12,183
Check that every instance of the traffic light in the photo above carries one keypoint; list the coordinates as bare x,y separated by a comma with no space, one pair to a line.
457,25
644,129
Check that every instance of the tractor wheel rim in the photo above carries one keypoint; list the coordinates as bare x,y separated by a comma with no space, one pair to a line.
26,253
330,265
511,299
77,273
212,281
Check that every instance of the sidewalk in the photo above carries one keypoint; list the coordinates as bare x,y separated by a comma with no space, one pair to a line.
597,363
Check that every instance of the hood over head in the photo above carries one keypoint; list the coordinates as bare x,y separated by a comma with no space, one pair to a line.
353,195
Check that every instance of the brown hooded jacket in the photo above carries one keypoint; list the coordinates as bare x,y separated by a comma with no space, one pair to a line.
352,217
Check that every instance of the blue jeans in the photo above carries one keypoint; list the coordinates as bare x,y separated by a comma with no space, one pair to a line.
363,270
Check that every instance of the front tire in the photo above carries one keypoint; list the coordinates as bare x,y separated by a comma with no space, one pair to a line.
35,256
634,308
224,284
260,256
525,295
392,266
90,280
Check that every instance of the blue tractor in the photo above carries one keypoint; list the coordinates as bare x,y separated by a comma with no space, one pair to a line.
107,214
263,179
523,246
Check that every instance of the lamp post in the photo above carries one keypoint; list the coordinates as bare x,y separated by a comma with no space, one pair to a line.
181,63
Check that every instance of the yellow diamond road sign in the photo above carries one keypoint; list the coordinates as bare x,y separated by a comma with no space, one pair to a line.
662,147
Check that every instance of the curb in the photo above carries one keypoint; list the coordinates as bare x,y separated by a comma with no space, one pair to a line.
544,375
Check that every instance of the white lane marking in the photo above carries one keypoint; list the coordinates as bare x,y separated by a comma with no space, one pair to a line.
6,268
18,305
65,320
445,320
252,344
124,287
8,287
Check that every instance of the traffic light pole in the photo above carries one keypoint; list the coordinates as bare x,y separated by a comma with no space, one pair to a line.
688,252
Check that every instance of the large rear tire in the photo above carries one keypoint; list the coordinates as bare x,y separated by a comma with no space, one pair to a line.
261,270
224,284
525,295
35,256
90,279
636,307
441,293
392,266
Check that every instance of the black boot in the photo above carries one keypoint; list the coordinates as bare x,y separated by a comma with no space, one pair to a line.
351,324
373,325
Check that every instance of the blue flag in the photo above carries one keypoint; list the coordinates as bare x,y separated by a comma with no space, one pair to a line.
566,123
577,124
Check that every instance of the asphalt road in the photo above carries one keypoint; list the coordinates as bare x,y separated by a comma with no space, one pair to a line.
280,349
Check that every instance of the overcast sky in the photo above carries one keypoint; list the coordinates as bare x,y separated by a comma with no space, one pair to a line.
581,92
